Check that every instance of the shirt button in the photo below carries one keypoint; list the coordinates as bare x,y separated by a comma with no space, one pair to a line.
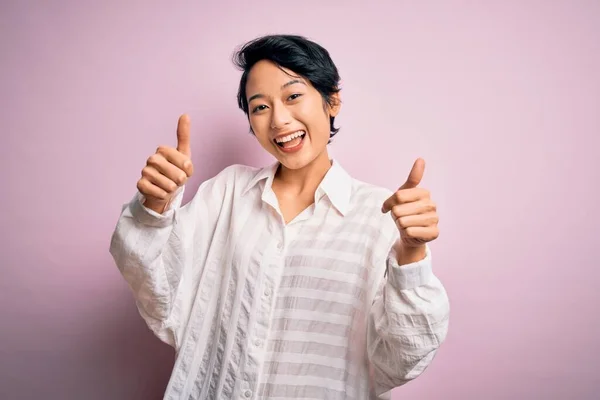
248,393
280,245
257,342
267,292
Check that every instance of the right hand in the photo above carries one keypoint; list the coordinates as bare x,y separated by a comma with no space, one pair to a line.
167,170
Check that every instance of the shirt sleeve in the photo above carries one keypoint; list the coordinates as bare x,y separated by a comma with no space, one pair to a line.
407,323
159,255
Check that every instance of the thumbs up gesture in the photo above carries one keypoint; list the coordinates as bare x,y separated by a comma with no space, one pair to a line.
413,211
167,170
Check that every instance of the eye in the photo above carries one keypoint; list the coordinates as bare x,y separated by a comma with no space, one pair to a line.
294,96
258,108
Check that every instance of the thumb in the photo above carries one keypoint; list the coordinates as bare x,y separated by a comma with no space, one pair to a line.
183,135
415,176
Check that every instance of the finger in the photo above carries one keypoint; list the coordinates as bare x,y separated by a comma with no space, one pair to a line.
415,176
162,165
183,135
414,208
151,191
420,233
403,196
178,159
419,220
158,179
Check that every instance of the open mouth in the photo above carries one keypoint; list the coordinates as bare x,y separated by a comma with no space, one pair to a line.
292,140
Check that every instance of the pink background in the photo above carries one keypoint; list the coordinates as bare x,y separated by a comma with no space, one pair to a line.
502,99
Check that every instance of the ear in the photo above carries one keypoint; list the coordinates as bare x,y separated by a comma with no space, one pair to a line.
336,104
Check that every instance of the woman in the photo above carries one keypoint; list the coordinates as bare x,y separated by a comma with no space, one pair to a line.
288,281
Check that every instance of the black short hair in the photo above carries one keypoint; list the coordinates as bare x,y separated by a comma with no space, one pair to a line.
296,53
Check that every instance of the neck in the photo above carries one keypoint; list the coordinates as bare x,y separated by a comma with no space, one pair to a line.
305,179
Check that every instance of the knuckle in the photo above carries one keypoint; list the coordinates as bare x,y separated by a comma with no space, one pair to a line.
147,171
432,206
161,149
401,229
399,196
154,159
172,186
402,222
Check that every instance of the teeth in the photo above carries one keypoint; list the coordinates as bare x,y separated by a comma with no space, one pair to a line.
289,137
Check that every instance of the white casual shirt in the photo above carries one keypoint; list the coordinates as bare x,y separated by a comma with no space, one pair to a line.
255,308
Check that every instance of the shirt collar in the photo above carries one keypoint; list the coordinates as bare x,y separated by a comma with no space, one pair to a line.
336,185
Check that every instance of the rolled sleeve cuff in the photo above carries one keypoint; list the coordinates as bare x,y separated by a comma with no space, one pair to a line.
411,275
150,217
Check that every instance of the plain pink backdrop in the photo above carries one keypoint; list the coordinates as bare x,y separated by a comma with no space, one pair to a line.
501,98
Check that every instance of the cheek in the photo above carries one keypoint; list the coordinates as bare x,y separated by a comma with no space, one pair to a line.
259,126
314,117
261,131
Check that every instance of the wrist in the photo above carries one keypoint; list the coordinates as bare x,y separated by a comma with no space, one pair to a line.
155,205
408,254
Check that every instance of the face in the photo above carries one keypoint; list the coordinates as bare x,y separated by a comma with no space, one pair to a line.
288,115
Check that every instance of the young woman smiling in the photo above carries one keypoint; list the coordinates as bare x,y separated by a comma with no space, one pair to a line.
290,281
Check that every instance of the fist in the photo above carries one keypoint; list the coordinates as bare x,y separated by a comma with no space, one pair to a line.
167,170
413,211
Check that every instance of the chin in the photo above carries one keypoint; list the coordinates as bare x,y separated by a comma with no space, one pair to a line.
294,163
300,161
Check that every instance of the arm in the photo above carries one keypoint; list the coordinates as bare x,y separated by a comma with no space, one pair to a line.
147,250
159,256
407,323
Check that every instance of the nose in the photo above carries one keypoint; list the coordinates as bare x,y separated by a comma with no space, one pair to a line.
280,117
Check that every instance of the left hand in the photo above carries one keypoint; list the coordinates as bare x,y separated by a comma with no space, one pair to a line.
413,211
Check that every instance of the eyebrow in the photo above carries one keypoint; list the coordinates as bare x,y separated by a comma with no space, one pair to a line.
290,83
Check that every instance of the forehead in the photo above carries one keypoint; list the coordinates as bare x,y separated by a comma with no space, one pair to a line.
266,76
